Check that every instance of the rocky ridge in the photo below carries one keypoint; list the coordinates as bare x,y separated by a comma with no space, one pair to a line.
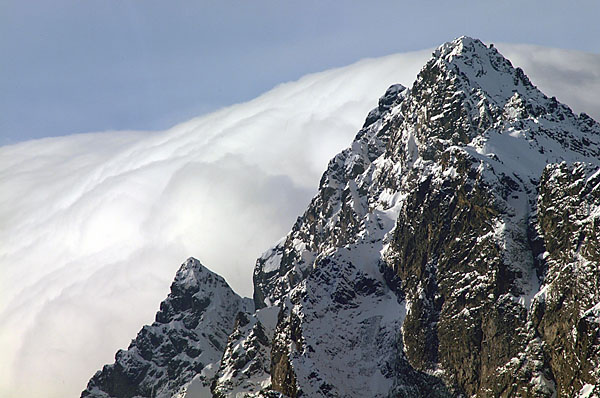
451,251
184,344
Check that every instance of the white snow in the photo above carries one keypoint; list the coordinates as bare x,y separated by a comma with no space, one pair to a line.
586,391
268,318
272,264
197,389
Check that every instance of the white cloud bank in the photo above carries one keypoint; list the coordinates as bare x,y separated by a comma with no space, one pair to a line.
94,226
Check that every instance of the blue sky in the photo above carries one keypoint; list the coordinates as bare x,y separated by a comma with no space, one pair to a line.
78,66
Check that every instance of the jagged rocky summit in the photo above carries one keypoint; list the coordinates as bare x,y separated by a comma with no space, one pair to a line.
184,344
452,251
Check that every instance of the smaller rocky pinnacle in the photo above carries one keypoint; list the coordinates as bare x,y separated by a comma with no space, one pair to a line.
186,340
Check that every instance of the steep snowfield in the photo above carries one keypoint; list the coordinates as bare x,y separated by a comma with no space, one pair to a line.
93,225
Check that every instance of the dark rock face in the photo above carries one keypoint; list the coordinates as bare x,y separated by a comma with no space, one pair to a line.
187,340
567,311
451,251
460,287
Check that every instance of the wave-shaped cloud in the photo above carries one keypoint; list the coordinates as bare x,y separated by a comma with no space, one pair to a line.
94,226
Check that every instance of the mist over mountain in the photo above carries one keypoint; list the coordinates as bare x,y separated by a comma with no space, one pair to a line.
451,250
95,225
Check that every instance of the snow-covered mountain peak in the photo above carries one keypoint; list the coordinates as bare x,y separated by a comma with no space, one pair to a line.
468,95
464,47
429,214
431,262
484,68
193,274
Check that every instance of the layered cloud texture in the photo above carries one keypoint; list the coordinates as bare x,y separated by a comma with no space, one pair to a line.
94,226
